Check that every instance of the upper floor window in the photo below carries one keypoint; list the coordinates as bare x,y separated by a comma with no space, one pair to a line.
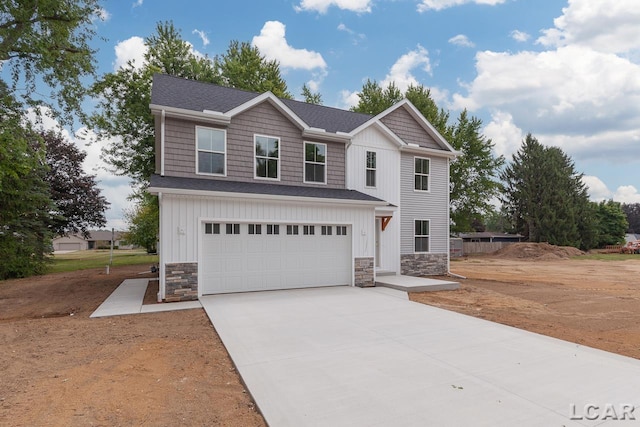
267,157
421,236
371,169
212,145
315,162
421,173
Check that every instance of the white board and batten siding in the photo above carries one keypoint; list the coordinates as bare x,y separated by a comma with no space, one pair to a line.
387,186
432,205
182,222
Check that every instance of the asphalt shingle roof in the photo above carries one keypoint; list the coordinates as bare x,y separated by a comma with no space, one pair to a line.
198,96
226,186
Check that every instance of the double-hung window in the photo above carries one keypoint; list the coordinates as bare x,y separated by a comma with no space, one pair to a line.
211,144
421,236
267,150
421,173
315,162
371,169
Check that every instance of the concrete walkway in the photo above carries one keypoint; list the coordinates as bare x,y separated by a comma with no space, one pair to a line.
128,298
345,356
416,284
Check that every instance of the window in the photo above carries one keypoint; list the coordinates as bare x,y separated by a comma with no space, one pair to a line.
211,228
309,230
292,229
255,229
233,228
315,161
267,157
421,174
371,169
273,229
421,236
327,230
211,145
341,230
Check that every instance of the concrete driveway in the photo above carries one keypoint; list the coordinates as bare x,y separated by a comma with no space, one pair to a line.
346,356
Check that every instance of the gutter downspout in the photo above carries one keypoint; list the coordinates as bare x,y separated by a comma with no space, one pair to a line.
162,122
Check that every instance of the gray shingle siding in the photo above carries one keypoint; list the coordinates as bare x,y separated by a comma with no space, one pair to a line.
433,205
402,124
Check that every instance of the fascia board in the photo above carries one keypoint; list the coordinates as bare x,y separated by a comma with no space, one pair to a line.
323,134
211,117
430,151
267,197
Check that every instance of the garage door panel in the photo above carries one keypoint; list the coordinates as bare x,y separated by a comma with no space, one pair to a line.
251,262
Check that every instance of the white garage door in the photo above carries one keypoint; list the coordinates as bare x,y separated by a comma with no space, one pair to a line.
254,257
69,246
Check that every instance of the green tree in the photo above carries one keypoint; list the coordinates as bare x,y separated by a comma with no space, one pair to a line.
311,97
25,204
243,67
632,212
143,223
48,40
612,223
545,197
123,115
373,99
76,197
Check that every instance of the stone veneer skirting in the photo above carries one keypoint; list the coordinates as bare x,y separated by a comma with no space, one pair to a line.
364,270
181,281
423,264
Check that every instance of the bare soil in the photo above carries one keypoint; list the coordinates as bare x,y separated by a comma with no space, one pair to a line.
593,303
60,368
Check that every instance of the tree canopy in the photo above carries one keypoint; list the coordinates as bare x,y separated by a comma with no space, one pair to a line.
546,199
632,212
612,223
49,40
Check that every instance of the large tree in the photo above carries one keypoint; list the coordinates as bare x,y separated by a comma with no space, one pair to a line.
48,40
632,211
143,222
474,173
25,204
78,204
546,198
612,223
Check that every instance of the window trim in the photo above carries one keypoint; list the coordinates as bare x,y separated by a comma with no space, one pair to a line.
255,157
195,137
374,169
421,235
305,161
428,190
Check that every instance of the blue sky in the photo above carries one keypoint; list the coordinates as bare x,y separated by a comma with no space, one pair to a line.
566,71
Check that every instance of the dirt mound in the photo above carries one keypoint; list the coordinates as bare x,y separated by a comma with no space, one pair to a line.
537,251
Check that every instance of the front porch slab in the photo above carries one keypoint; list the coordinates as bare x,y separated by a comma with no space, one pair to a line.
415,284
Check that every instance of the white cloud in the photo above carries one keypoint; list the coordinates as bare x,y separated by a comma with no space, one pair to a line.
103,15
504,134
401,71
604,25
627,194
356,37
202,35
321,6
273,45
348,99
461,40
137,3
427,5
597,189
133,49
520,36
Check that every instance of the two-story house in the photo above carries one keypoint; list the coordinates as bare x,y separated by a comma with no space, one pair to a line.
260,193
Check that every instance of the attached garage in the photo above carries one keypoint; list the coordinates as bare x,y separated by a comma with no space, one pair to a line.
71,246
240,257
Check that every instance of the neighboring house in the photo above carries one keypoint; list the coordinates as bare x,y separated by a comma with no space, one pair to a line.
259,193
96,239
631,237
491,237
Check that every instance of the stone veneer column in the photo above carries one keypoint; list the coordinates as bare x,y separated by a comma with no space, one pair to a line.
423,264
364,270
181,281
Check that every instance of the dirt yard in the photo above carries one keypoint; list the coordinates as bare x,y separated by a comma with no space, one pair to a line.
594,303
60,368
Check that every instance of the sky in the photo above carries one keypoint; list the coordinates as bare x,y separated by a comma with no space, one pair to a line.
566,71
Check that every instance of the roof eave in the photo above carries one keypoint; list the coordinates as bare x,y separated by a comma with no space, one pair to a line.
182,113
429,151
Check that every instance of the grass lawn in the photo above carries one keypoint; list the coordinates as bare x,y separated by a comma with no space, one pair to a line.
82,260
